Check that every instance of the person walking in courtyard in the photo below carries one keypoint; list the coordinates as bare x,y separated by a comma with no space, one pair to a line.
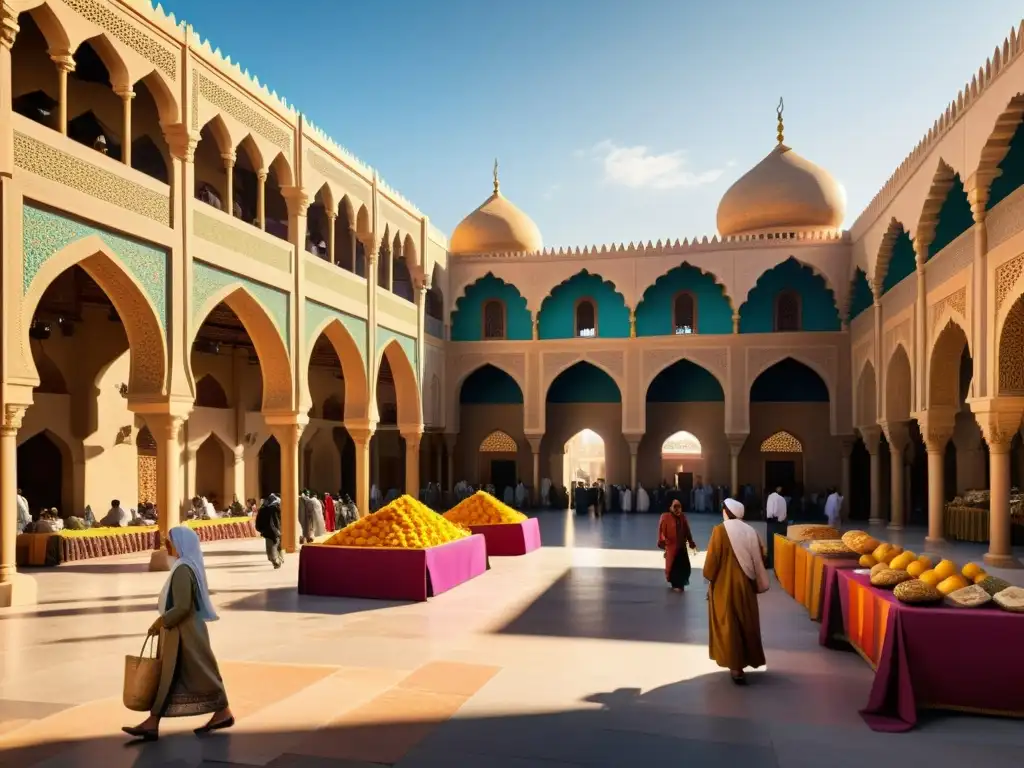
190,681
674,537
268,525
735,567
775,514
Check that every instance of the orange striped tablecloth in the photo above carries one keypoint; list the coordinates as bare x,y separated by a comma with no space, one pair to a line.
866,619
785,562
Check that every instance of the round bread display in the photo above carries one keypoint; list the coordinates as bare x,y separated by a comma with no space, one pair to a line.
830,547
917,592
860,542
968,597
888,579
1010,599
878,568
867,561
993,585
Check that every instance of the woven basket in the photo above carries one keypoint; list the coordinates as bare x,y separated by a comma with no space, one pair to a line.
860,542
1010,599
141,678
888,579
917,592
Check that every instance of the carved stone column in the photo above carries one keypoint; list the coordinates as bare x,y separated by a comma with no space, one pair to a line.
287,428
736,442
921,246
413,438
8,32
361,436
166,431
126,94
872,436
421,287
536,326
999,419
65,63
898,435
450,439
12,416
633,441
534,441
937,425
229,159
332,220
261,199
977,188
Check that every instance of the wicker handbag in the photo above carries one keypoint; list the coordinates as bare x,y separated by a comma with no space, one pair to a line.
142,677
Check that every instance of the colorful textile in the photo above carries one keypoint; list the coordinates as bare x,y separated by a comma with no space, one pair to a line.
785,563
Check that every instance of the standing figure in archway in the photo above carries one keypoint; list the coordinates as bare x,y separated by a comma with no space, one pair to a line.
674,537
330,521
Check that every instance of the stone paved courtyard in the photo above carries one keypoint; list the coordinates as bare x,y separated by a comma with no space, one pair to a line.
575,655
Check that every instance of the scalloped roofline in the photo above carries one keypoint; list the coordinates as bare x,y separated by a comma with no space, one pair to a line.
660,248
185,34
994,66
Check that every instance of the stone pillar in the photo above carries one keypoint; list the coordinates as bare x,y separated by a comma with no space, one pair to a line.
736,322
65,65
288,433
413,438
8,31
15,588
190,469
166,431
999,419
846,447
261,199
898,435
421,287
450,439
229,184
872,436
126,93
332,219
536,326
535,441
937,425
361,436
977,188
736,442
921,246
634,447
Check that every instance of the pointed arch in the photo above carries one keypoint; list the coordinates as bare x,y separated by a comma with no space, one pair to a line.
894,248
468,314
499,442
218,129
817,300
282,169
111,58
247,145
166,103
866,399
353,367
363,228
602,386
1010,362
50,24
489,384
944,366
275,362
684,380
898,385
210,393
142,320
407,393
326,196
409,252
816,384
1003,136
861,297
556,318
346,207
713,307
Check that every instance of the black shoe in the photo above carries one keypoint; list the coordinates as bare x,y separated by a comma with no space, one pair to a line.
210,727
142,734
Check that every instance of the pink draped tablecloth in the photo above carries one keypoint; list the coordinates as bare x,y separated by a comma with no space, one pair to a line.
965,659
510,539
390,574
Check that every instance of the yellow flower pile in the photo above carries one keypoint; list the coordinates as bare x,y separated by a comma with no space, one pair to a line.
403,524
483,509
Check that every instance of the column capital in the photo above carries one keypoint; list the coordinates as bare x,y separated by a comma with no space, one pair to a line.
846,443
871,434
181,141
362,433
897,433
165,427
413,433
297,200
534,441
331,216
13,415
977,187
937,424
126,92
736,442
999,419
229,159
633,441
63,59
8,25
262,174
921,245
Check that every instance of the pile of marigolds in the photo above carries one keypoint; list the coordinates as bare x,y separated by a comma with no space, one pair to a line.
405,523
483,509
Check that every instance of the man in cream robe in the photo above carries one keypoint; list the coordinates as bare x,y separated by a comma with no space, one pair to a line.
833,509
24,514
775,518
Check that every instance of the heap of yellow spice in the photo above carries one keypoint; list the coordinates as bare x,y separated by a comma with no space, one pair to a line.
405,523
483,509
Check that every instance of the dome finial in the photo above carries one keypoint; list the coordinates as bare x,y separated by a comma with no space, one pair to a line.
778,111
496,176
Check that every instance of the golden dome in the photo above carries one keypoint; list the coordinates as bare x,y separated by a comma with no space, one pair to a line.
784,192
497,226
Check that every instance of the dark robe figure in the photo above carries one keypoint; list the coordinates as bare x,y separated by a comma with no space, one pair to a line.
268,525
674,536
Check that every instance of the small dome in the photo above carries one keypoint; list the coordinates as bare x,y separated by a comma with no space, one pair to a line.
497,226
784,192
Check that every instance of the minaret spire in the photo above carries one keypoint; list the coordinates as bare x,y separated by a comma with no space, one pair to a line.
496,185
778,111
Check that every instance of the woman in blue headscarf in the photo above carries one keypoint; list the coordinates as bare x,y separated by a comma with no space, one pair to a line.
190,681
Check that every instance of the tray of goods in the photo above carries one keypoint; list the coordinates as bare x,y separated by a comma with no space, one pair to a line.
811,532
831,548
968,597
917,592
483,509
405,523
888,578
860,542
1010,599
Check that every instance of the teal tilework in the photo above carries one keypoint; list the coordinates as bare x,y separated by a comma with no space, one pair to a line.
208,280
317,314
45,233
386,335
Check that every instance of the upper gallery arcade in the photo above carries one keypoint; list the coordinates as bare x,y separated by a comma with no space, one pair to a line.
205,294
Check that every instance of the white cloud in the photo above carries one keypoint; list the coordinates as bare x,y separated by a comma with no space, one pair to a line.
637,168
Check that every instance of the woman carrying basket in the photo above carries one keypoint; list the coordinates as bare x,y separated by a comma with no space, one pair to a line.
190,682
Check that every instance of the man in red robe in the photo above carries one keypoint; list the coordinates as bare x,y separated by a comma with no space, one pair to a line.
329,513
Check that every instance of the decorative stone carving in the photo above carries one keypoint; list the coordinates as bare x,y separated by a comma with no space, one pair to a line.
714,359
895,336
1006,219
243,113
328,170
1007,276
238,240
1011,352
782,442
195,100
612,361
46,233
208,280
1000,420
956,301
498,442
60,167
13,414
127,33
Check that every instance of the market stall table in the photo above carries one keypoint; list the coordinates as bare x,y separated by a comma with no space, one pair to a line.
925,657
381,573
510,539
784,560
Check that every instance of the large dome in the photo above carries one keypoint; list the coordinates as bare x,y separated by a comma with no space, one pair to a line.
497,226
782,193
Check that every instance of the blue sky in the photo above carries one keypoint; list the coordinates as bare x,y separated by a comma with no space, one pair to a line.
613,120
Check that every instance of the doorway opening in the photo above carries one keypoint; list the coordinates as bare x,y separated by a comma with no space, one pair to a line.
584,461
